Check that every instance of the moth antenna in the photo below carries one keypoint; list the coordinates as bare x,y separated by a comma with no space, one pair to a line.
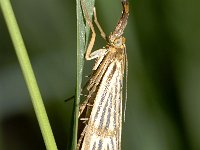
126,81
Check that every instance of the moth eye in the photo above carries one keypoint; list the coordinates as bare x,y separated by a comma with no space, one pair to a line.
118,42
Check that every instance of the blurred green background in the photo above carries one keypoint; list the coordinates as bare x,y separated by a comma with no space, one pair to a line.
163,108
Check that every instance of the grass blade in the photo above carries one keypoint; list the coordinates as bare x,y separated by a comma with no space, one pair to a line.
82,38
28,74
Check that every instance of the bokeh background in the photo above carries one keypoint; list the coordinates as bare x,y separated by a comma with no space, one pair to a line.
163,44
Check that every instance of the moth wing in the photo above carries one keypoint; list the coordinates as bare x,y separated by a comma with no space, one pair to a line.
105,123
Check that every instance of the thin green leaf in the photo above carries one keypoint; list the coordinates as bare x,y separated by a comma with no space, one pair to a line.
82,39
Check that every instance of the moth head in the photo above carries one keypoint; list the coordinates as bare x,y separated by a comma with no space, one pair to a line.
118,42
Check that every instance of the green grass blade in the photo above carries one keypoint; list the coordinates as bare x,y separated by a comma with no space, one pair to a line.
82,38
28,74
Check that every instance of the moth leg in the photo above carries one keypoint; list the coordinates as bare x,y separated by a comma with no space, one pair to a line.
82,106
91,105
84,119
89,22
81,137
98,54
103,35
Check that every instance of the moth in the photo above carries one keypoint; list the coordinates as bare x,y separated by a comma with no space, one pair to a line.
100,115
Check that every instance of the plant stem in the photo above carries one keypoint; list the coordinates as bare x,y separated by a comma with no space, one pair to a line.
28,74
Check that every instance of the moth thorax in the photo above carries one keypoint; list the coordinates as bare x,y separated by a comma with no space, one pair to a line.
120,53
